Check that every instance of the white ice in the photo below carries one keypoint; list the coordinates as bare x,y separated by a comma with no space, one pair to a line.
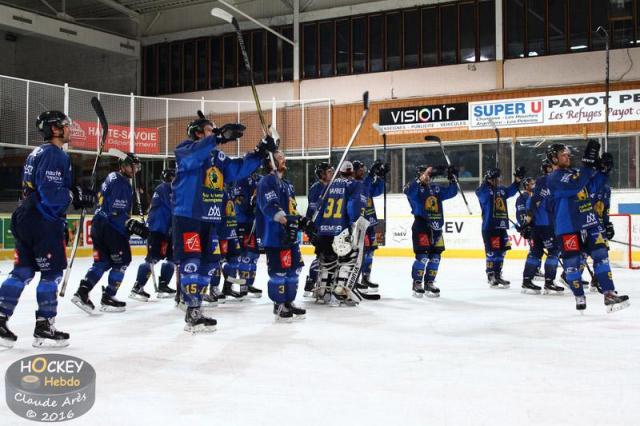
475,356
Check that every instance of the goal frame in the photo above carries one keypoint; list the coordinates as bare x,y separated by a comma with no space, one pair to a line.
628,239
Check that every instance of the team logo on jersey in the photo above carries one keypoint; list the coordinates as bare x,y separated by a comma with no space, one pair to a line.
499,205
213,178
293,206
600,240
599,208
250,241
224,246
286,259
583,195
191,242
423,240
496,243
570,242
431,204
230,209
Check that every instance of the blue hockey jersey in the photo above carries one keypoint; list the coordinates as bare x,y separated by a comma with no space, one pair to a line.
493,203
522,203
243,191
541,203
342,205
114,201
159,219
314,195
573,210
600,194
229,222
274,195
46,180
426,201
371,187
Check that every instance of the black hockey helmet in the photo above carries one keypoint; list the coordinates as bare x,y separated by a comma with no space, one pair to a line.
606,162
357,165
546,166
321,168
51,118
421,169
553,150
197,125
130,160
492,173
168,175
527,181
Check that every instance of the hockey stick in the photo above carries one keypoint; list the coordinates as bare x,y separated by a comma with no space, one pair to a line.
97,107
365,111
430,138
495,129
227,17
625,244
381,131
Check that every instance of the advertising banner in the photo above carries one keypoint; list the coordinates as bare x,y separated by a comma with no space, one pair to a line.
84,135
416,119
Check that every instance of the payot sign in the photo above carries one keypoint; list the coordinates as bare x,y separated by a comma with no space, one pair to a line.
579,108
418,118
85,135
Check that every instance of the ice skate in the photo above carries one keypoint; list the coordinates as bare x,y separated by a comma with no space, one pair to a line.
614,302
551,288
45,335
282,313
230,294
198,323
372,287
7,338
418,291
81,298
431,290
298,313
361,288
138,293
539,275
164,291
594,286
528,287
581,303
254,292
110,303
496,281
211,298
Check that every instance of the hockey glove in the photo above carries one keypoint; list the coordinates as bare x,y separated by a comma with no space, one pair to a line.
136,227
526,231
610,231
606,163
520,173
383,170
590,158
375,168
82,198
452,173
266,145
308,227
230,132
291,229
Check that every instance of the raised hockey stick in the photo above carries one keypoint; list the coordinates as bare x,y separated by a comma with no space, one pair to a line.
365,111
381,131
430,138
97,107
227,17
495,129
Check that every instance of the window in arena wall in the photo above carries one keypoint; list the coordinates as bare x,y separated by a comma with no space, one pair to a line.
449,34
411,38
393,50
489,159
487,30
287,54
216,63
430,36
625,158
468,31
556,30
164,71
257,56
273,74
342,47
327,48
376,43
229,44
536,24
359,42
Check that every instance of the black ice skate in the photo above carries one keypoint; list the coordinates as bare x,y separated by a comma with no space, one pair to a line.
45,335
282,313
227,290
614,302
418,291
81,298
581,303
298,313
198,323
309,286
7,338
551,288
539,275
110,303
431,290
138,293
254,292
496,281
373,287
164,291
361,288
213,297
528,287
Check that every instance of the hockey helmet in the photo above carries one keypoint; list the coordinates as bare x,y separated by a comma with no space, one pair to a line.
51,118
553,151
492,173
168,175
197,125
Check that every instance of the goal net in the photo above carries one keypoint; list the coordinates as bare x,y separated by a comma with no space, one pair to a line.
624,247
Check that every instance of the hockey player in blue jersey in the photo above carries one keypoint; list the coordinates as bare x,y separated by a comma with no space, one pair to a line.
576,224
343,204
230,249
372,186
110,231
495,221
425,198
244,194
159,242
324,173
533,212
277,226
38,226
198,192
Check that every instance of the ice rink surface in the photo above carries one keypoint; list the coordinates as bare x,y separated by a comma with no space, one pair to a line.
475,356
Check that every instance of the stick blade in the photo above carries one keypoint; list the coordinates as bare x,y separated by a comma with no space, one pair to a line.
378,128
97,107
432,138
221,14
365,99
114,152
201,115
